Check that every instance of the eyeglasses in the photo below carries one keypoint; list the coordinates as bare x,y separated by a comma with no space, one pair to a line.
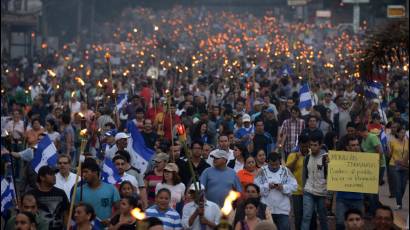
63,162
215,158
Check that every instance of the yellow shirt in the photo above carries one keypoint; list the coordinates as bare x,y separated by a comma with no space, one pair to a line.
398,150
297,170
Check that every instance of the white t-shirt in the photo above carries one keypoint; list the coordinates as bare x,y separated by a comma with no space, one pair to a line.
66,184
177,192
54,136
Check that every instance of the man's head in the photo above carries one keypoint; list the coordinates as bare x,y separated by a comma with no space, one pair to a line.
246,120
362,129
120,163
295,112
351,128
46,176
147,125
353,144
196,147
304,144
25,221
223,142
274,161
354,219
29,203
154,223
139,113
63,163
383,218
220,157
259,126
312,122
90,170
121,139
315,143
328,96
175,150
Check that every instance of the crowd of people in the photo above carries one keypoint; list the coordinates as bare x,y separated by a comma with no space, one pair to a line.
232,81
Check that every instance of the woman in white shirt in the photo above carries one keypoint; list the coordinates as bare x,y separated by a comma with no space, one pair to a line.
51,131
172,181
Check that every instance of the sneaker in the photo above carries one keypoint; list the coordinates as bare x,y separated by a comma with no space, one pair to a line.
398,207
391,196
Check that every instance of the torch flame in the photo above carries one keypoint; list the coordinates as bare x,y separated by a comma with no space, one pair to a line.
80,81
99,84
83,132
232,196
138,214
51,73
107,55
81,115
73,94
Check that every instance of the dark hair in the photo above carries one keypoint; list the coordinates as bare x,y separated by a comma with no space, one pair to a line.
295,108
153,221
164,190
90,164
352,138
27,194
110,125
398,130
45,170
350,124
176,179
329,139
66,118
361,127
386,208
198,142
52,124
313,116
125,154
243,149
118,157
88,209
253,185
31,216
274,156
254,201
303,139
353,211
316,137
133,201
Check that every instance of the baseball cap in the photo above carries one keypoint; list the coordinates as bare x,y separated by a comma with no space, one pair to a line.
110,133
246,118
198,185
171,167
269,110
121,135
258,102
219,153
161,157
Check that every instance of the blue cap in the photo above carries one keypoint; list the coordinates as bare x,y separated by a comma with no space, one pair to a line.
269,110
111,133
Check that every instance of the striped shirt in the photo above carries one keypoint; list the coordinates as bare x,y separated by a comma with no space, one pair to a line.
170,218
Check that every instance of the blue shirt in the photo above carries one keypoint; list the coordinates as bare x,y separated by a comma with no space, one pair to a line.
101,198
349,195
170,218
218,183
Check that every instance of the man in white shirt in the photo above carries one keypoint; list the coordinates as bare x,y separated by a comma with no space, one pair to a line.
65,179
223,143
120,163
201,214
277,183
15,128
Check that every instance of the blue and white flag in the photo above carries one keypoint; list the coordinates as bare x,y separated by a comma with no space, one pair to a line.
383,140
122,99
305,98
140,153
286,71
109,173
373,89
7,193
45,154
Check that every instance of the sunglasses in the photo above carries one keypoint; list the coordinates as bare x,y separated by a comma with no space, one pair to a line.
63,162
215,158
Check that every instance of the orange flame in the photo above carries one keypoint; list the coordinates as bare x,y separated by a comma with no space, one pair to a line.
83,132
138,214
80,81
107,55
227,208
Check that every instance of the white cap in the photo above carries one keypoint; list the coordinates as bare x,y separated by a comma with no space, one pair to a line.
121,135
246,118
219,153
198,185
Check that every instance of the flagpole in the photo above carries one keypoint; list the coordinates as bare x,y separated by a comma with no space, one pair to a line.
83,134
9,147
168,94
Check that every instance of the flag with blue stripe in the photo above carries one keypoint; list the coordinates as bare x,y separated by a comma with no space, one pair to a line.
45,154
286,71
140,153
109,172
383,140
122,99
305,98
7,193
373,89
95,224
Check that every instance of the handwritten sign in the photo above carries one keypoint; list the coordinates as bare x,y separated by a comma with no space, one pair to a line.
353,172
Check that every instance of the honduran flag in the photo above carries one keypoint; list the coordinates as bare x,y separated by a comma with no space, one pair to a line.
109,172
122,99
140,153
45,154
286,71
373,89
305,98
7,193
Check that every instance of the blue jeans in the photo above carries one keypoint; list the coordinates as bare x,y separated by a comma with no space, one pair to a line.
342,205
281,221
373,200
310,203
400,181
297,202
